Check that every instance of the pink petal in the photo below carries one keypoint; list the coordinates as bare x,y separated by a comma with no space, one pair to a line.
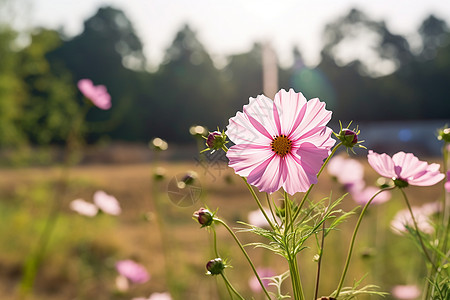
160,296
382,163
269,175
107,203
311,159
297,179
241,130
97,94
256,218
133,271
261,110
406,165
83,208
320,137
289,106
426,178
347,171
362,196
244,158
315,116
406,292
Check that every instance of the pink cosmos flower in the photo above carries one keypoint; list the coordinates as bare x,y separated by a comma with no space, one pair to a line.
406,168
422,215
362,195
256,218
97,94
133,271
84,208
280,143
346,170
264,274
107,203
156,296
406,292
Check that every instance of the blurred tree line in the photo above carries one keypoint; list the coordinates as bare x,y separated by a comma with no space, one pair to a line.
38,95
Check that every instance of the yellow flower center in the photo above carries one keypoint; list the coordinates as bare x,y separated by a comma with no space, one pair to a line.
281,145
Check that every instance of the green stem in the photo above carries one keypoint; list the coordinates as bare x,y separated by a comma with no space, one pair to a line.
312,185
245,254
416,227
352,243
271,210
215,242
446,200
319,262
292,259
228,284
252,191
73,142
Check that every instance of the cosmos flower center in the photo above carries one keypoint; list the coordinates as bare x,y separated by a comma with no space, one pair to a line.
281,145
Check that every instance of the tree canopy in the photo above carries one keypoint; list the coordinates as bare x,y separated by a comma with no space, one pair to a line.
38,95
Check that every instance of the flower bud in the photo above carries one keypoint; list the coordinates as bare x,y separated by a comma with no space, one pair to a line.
216,140
349,137
204,217
215,266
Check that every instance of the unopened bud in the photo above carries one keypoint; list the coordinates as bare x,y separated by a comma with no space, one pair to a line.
216,140
349,137
215,266
204,217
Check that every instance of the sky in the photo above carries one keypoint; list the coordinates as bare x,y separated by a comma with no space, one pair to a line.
227,27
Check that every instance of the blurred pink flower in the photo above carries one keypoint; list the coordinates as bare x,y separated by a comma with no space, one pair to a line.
264,274
406,292
346,170
83,207
406,168
97,94
133,271
422,215
447,183
256,218
156,296
107,203
362,195
160,296
280,143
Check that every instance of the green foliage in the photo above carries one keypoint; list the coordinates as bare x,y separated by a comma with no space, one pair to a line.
38,93
12,91
50,108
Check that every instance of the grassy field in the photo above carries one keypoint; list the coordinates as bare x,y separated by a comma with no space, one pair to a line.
81,253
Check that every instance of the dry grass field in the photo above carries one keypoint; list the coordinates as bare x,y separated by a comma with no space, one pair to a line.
80,256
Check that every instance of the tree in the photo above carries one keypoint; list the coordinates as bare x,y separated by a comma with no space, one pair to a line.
104,52
12,91
189,89
51,101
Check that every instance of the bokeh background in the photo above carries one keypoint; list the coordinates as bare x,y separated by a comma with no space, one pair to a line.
169,65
